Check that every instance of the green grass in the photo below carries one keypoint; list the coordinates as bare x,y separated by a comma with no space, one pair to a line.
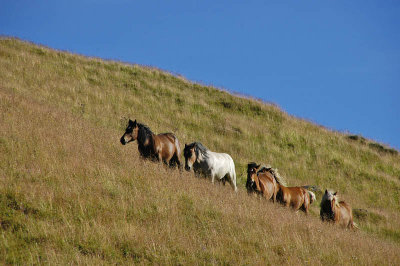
70,192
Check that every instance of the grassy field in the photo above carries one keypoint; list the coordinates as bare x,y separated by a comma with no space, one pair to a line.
71,193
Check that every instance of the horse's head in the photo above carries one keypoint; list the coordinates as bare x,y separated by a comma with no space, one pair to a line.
190,156
330,199
251,175
131,132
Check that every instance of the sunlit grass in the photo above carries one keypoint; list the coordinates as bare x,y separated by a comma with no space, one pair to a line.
69,192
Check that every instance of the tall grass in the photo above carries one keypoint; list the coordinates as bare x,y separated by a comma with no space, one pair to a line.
69,192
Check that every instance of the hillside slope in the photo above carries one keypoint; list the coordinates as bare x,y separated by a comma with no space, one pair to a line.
70,191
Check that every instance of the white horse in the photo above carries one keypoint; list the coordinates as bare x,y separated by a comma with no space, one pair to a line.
210,164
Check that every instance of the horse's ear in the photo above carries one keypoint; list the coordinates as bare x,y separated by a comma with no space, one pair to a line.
326,191
258,166
185,145
131,122
334,194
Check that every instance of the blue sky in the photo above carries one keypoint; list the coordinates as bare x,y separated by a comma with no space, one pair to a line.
336,63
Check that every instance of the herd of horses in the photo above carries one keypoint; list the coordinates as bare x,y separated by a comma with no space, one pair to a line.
262,180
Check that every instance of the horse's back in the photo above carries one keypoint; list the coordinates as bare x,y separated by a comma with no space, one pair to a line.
221,158
294,196
168,140
167,137
297,192
222,164
220,155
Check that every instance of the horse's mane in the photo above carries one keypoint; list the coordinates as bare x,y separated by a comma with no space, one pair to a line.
201,148
279,179
144,133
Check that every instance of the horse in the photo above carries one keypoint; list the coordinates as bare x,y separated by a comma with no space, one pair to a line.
338,212
295,197
162,147
298,198
210,164
260,182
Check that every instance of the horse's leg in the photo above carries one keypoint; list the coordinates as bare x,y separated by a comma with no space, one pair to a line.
178,162
212,177
177,153
287,201
167,158
159,157
171,159
171,162
224,180
306,207
276,189
233,180
175,160
351,223
297,205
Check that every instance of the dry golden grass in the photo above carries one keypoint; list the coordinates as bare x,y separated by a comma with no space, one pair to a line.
70,192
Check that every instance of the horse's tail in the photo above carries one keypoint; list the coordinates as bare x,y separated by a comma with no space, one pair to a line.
312,196
177,146
233,175
234,180
355,226
177,152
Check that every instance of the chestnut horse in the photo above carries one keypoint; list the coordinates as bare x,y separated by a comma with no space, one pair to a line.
260,182
336,211
162,147
295,197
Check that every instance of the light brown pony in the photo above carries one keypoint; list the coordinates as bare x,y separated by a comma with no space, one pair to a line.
338,212
162,147
295,197
261,182
298,198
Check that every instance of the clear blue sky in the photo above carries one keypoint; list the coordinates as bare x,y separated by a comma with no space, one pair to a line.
336,63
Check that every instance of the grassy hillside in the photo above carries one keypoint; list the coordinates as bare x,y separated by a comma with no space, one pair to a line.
70,192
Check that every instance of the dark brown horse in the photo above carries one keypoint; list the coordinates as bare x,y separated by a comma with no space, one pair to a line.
338,212
162,147
260,182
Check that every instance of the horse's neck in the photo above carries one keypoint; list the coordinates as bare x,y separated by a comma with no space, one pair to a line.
274,180
336,212
257,181
202,164
267,175
148,141
261,178
204,159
